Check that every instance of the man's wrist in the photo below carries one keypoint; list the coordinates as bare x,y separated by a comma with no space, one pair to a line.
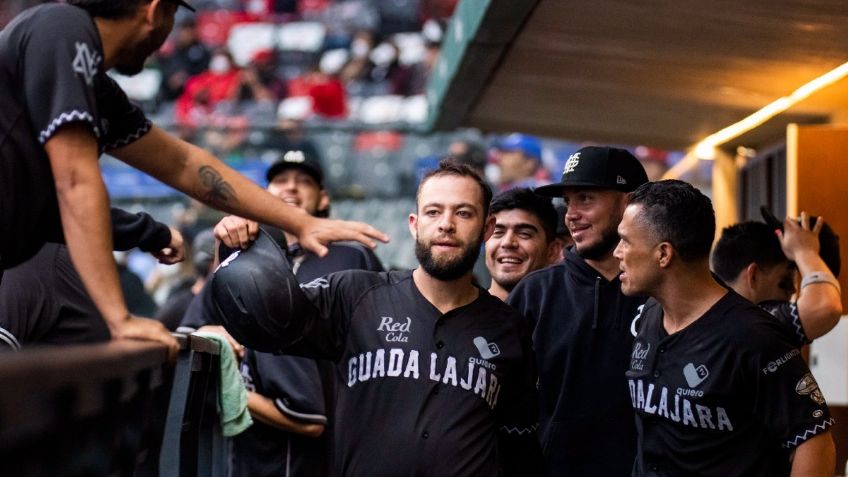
821,276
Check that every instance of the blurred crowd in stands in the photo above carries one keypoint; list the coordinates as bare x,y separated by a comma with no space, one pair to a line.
342,80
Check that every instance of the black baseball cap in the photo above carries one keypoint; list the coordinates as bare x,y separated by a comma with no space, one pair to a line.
602,167
828,240
300,159
183,3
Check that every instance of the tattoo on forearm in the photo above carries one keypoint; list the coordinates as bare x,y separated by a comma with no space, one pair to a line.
215,191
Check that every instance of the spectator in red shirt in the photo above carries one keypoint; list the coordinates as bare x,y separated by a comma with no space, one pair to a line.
203,92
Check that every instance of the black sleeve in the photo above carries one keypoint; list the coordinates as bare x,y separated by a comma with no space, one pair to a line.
788,400
61,62
786,314
138,230
292,383
199,312
325,313
126,121
518,445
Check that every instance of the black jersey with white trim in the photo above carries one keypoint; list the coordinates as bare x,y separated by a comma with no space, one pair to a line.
301,388
729,395
422,393
51,75
786,312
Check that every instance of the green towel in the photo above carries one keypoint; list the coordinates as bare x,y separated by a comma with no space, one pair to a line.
232,396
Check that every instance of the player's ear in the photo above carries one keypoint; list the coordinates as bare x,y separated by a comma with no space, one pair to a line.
413,225
554,251
664,254
324,201
149,10
489,227
751,274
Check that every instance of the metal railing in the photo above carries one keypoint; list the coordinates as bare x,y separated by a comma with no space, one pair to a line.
117,408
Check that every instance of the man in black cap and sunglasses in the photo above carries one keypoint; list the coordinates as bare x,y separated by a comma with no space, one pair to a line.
582,323
59,111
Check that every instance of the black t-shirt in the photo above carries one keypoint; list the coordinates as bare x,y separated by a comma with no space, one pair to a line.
581,340
51,75
728,395
422,393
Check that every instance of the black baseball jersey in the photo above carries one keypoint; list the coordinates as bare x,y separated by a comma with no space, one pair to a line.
786,312
43,300
582,340
728,395
301,388
51,75
422,393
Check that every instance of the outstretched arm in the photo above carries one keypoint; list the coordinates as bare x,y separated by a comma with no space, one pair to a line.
84,209
196,172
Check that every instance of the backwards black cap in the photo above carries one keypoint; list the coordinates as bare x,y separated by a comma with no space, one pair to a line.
602,167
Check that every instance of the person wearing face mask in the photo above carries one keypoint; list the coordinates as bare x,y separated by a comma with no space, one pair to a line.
59,111
203,92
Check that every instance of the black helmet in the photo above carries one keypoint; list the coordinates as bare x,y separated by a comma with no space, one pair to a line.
828,240
252,298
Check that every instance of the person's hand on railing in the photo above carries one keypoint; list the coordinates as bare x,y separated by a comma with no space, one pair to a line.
237,347
137,328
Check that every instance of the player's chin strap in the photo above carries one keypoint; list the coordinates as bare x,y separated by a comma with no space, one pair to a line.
820,277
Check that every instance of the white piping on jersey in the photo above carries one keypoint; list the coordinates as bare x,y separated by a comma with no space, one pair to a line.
65,118
8,338
793,443
319,418
519,431
288,456
796,321
131,137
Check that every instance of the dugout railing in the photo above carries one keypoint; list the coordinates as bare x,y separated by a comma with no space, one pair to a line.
113,409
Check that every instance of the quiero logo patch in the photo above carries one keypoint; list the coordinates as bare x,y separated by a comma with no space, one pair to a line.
487,350
695,376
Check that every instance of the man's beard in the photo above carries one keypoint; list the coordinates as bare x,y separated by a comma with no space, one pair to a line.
599,250
447,269
132,62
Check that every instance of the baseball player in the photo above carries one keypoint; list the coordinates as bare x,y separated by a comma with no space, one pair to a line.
59,111
291,398
582,336
761,266
524,239
436,373
44,301
718,385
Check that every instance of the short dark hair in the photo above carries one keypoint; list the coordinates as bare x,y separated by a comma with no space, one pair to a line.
450,167
679,214
109,9
523,198
745,243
